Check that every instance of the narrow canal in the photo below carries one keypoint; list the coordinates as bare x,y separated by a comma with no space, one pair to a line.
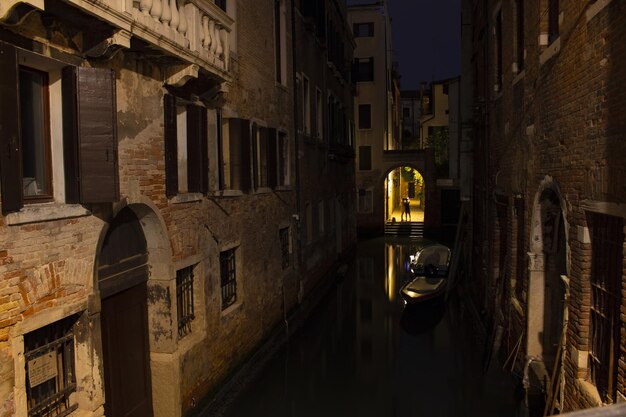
362,354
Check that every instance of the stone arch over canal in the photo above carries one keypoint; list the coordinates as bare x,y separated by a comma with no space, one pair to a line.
371,190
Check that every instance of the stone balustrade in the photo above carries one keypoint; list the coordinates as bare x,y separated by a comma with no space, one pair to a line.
192,24
197,31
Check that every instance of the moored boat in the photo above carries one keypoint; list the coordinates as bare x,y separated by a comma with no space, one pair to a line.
429,266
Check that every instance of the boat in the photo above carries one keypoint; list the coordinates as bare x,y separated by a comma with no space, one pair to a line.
429,267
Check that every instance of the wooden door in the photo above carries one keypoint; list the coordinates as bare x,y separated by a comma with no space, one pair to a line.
126,355
122,281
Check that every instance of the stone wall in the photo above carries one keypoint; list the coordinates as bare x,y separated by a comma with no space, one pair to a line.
49,253
552,125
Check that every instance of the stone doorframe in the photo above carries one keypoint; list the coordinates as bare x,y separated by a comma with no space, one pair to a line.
536,269
161,284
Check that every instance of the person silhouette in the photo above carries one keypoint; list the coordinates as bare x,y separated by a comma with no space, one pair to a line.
407,208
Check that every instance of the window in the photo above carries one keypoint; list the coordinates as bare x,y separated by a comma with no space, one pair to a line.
364,69
280,41
365,158
365,116
261,167
362,30
406,112
365,203
221,4
35,134
553,20
321,218
319,113
498,52
85,148
228,278
308,213
184,300
285,247
607,240
50,372
234,143
278,158
519,35
306,105
186,147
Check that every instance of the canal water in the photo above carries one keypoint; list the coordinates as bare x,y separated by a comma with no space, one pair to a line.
362,354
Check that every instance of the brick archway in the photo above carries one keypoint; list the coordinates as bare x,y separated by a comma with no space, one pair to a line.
549,261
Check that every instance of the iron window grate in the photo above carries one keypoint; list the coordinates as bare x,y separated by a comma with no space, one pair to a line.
606,273
184,300
228,278
50,371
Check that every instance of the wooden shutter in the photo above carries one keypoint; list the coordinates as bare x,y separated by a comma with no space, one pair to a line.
246,156
204,150
170,142
194,149
254,141
90,130
10,143
272,158
70,135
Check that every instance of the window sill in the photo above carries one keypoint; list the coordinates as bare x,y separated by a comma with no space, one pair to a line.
46,212
230,310
551,50
263,190
186,198
190,340
283,188
228,193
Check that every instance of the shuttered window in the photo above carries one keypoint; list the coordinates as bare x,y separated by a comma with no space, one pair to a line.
10,147
261,156
186,147
239,145
97,134
365,158
272,158
89,136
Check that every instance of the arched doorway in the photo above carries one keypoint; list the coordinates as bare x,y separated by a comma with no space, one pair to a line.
401,183
548,266
122,281
554,252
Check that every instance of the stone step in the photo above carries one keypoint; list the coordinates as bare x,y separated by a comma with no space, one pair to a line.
412,229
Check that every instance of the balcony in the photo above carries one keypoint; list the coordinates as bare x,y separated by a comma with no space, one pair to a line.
197,32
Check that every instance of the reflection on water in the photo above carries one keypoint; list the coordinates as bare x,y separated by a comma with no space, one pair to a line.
362,354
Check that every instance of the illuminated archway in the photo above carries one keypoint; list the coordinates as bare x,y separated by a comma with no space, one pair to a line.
401,183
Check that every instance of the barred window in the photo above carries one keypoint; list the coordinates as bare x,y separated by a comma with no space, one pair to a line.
284,246
184,300
50,374
228,275
607,239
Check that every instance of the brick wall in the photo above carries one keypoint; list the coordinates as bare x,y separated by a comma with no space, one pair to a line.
561,119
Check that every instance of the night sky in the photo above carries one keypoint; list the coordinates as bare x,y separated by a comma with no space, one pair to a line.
426,39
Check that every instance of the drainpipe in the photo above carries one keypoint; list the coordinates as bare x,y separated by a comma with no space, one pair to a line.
298,215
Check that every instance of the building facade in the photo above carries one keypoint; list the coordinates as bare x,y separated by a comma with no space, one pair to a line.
548,211
325,132
373,108
150,227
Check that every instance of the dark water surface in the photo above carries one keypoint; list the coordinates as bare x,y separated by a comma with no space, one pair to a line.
362,354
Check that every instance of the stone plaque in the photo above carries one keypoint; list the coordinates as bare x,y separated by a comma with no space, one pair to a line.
42,368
